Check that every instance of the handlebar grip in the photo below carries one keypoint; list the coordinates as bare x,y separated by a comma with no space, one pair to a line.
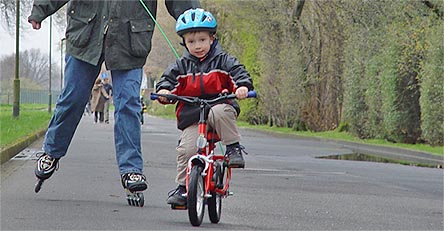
153,96
252,94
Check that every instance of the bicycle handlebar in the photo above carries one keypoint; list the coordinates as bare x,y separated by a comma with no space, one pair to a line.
197,100
252,94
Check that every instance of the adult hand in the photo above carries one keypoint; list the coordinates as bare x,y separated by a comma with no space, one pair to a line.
161,98
35,25
242,92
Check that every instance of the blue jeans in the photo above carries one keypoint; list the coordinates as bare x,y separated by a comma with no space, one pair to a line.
79,80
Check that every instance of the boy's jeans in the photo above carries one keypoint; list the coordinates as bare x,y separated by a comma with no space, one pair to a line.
79,80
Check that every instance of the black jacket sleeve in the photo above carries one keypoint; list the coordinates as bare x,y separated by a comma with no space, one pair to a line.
168,79
238,72
41,9
177,7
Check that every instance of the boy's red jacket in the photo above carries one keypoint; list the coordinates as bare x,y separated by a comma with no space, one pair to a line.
189,76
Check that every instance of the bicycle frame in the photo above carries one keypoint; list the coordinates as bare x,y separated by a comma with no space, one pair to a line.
206,143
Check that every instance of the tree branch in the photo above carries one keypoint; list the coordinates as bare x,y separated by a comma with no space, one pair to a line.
434,7
298,10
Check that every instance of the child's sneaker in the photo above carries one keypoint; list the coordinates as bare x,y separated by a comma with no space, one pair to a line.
46,165
234,157
177,196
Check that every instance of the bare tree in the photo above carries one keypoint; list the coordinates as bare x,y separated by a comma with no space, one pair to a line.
8,10
7,15
34,67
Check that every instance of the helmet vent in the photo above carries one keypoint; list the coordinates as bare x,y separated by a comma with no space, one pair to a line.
203,18
193,16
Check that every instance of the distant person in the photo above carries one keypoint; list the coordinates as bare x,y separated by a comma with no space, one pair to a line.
118,33
142,110
109,90
98,99
204,71
88,108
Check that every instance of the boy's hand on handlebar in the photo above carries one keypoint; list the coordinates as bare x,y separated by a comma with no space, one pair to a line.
241,93
161,98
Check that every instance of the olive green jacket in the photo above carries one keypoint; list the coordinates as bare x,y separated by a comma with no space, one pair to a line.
120,30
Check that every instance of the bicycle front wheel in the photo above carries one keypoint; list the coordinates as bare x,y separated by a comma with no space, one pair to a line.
215,201
195,198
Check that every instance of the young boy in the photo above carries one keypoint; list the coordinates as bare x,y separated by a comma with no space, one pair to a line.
204,71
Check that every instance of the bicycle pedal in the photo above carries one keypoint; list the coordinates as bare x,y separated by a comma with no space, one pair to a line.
179,207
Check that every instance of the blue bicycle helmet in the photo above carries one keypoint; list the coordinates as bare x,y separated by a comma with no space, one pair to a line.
195,20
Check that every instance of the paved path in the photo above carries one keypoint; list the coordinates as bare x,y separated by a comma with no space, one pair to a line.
284,187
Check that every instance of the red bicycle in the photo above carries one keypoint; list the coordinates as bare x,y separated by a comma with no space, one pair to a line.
208,176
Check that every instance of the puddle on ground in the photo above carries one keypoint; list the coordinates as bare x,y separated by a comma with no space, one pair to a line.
371,158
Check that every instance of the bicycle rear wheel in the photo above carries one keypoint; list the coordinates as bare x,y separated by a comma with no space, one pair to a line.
195,198
215,201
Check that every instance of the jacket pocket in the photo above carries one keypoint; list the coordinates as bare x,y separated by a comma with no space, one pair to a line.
79,30
141,32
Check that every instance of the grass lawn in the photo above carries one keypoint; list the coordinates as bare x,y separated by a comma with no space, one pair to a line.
167,111
438,150
32,117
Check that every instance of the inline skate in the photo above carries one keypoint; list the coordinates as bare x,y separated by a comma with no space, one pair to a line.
45,167
134,184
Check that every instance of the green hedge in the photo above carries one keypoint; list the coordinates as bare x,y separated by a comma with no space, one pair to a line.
432,86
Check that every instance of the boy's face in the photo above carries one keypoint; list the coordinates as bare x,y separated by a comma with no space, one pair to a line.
198,43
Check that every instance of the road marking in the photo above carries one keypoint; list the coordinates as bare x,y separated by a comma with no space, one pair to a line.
284,172
26,154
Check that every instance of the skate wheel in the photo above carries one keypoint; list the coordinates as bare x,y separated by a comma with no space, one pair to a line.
135,199
130,202
141,199
38,186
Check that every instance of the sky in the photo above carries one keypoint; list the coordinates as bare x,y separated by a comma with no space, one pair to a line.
31,38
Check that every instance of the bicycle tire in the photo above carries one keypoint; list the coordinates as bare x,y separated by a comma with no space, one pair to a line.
195,198
215,201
